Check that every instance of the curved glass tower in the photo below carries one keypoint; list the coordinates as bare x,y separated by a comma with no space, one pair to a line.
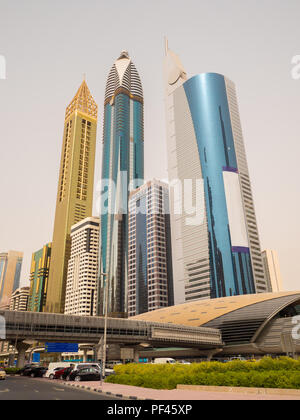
221,255
122,171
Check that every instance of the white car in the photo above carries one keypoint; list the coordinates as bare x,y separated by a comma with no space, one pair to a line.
2,374
54,367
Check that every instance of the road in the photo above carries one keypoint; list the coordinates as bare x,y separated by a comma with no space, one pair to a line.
24,388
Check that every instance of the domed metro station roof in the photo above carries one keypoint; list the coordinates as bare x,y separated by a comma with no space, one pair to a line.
262,319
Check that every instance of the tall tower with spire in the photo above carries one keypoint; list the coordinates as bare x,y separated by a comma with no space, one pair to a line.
218,254
75,189
122,171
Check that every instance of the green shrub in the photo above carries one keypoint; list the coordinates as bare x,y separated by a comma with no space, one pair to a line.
266,373
11,370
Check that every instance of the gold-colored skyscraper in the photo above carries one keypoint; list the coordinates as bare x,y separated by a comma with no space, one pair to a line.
75,189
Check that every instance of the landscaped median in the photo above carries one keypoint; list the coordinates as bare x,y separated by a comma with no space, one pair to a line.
281,373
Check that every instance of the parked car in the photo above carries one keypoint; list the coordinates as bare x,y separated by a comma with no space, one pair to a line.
51,372
85,374
54,367
2,374
62,373
27,367
35,371
164,360
71,375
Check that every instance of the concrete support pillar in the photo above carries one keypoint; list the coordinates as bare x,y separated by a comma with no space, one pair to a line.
21,348
11,359
211,353
95,353
85,351
136,355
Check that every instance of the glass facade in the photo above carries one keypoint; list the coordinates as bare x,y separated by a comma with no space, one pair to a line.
230,261
122,163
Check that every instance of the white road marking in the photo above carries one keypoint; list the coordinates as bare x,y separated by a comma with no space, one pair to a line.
59,389
5,390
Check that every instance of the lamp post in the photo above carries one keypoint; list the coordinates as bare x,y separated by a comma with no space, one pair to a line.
105,288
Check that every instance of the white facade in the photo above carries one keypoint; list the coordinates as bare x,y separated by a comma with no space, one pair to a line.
189,242
192,266
249,210
19,299
272,270
81,287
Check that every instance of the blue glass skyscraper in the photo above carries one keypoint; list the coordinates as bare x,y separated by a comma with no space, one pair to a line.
219,256
122,171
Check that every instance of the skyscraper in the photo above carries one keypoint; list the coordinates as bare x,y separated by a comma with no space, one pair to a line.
75,189
122,163
220,254
39,274
10,272
272,270
81,290
150,274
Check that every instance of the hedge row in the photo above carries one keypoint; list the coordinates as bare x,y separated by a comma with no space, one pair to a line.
11,370
266,373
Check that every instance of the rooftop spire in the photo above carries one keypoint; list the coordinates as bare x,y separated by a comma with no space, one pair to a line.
83,101
175,73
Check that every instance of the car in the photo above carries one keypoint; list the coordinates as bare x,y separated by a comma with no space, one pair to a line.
35,371
51,372
24,370
162,360
2,374
85,374
59,373
237,358
71,375
54,367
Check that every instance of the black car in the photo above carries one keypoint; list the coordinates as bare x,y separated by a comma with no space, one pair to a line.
34,371
85,374
27,367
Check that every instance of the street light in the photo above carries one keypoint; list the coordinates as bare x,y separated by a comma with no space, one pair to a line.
105,288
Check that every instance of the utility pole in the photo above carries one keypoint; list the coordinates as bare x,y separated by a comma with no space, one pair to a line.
106,289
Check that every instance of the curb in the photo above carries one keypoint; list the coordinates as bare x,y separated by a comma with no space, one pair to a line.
243,390
111,394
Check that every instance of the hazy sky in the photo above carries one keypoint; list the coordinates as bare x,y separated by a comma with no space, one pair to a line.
49,45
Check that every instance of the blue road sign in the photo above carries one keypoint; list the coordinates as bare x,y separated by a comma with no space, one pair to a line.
61,348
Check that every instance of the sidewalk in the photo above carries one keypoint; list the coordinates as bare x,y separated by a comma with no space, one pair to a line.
137,393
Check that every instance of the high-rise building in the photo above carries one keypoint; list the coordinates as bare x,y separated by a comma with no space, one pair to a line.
19,299
18,302
75,189
122,163
272,270
150,276
217,254
39,273
82,280
10,271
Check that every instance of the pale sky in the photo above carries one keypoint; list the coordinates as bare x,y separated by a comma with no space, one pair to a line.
50,44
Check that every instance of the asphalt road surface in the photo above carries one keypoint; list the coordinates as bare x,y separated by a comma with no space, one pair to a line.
24,388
